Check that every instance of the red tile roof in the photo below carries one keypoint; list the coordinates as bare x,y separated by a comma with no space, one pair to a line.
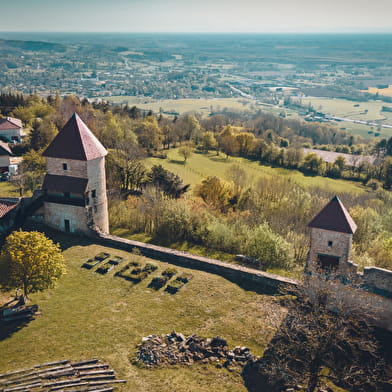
75,141
334,217
10,123
5,149
64,184
7,205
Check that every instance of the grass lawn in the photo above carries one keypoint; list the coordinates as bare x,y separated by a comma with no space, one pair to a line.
181,106
200,166
91,315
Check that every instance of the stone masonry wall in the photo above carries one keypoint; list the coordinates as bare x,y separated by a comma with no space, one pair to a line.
242,275
376,308
341,245
56,213
76,168
97,182
378,280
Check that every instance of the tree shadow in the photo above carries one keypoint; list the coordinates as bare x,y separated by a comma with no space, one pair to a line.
317,348
177,162
8,328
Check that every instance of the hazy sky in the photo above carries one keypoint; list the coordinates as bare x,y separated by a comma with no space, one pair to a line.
197,15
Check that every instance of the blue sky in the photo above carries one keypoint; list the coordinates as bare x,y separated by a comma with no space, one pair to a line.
197,15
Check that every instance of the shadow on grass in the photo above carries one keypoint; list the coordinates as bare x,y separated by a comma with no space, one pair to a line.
177,162
67,240
7,329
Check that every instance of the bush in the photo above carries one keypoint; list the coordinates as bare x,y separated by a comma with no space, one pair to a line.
158,282
270,248
169,272
149,268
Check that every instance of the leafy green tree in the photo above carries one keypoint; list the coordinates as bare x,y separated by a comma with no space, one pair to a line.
41,134
185,152
30,261
387,172
169,183
149,134
313,164
215,192
207,141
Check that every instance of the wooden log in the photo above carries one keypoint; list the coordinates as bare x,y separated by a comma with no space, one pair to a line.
15,372
66,386
60,373
95,372
87,362
20,380
98,377
97,366
52,363
106,382
24,387
61,382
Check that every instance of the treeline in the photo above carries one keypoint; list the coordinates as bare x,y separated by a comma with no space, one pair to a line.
265,220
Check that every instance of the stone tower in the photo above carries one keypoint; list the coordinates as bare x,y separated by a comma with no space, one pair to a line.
75,186
330,239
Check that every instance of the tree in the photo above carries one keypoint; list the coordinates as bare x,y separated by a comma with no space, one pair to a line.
166,181
215,192
387,172
313,164
207,141
185,151
313,345
31,261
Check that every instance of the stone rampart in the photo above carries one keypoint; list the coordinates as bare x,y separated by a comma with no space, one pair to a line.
248,277
378,280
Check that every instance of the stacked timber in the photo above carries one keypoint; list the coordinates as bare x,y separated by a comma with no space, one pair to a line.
90,375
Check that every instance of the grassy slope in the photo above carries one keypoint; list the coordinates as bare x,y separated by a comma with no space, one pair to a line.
89,315
199,166
184,105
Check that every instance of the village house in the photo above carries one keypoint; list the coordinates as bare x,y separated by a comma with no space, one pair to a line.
11,130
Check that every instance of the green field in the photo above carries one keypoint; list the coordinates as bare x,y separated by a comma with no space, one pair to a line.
89,315
365,111
200,166
203,106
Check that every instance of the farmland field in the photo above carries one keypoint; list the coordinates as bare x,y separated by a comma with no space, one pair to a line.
180,106
200,166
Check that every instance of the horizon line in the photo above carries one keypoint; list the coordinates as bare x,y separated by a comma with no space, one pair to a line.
204,32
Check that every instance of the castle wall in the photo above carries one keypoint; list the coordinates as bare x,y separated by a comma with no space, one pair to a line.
97,182
320,239
352,300
55,214
75,168
378,279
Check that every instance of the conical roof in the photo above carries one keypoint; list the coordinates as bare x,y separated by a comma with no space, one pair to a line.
75,141
334,217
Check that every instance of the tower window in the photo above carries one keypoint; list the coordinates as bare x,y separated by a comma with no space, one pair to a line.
93,193
330,244
65,166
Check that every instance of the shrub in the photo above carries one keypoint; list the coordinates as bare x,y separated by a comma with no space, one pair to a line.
158,282
169,272
270,248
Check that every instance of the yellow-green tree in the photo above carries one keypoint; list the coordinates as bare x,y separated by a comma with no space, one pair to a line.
30,261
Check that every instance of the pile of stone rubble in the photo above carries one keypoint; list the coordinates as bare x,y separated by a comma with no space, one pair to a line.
175,348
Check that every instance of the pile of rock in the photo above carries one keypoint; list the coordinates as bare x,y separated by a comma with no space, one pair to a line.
175,348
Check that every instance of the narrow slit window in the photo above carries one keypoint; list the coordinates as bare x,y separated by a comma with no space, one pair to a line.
93,193
330,244
65,166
